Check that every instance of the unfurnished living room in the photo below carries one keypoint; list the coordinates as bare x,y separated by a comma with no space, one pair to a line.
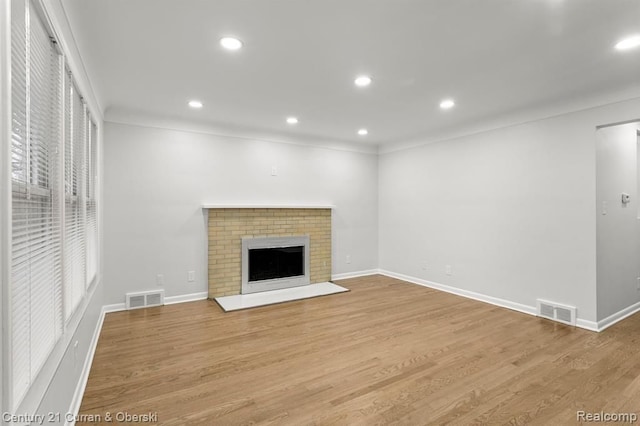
320,212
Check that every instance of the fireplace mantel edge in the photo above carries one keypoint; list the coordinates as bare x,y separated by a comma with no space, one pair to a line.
267,206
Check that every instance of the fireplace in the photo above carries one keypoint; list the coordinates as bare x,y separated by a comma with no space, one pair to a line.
228,225
271,263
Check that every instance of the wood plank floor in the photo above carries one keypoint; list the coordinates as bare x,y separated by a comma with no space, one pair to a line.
387,352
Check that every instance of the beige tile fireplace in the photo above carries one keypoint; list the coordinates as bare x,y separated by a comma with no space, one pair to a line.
228,225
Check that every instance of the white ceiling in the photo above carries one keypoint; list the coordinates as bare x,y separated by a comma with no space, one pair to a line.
500,60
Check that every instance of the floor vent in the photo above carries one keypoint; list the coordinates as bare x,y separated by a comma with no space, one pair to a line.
144,299
557,312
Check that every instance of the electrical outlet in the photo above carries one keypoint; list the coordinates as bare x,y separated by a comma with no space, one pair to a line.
638,284
159,280
448,270
191,276
348,258
274,170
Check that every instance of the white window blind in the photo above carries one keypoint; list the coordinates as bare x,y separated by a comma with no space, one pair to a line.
36,298
91,206
75,208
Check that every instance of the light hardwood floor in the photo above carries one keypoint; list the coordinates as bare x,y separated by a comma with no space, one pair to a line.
388,352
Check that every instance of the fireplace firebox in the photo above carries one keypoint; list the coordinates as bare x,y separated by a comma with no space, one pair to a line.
271,263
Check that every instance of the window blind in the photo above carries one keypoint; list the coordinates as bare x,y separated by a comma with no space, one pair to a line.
91,205
75,209
36,302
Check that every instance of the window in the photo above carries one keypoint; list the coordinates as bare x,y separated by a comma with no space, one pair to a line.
36,280
91,206
53,203
74,243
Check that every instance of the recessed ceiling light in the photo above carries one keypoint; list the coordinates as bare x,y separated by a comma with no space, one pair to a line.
363,132
362,80
230,43
628,43
292,120
195,104
447,103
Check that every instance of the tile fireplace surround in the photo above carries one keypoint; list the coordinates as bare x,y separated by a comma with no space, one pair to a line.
227,226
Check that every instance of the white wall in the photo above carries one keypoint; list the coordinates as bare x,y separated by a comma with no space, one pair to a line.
512,210
617,230
157,179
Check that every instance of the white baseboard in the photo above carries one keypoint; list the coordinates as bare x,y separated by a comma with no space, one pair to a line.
116,307
618,316
182,298
354,274
186,298
531,310
76,401
587,325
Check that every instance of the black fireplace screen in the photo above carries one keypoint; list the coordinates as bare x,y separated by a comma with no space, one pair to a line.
273,263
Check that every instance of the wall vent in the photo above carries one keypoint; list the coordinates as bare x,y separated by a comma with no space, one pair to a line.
144,299
557,312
